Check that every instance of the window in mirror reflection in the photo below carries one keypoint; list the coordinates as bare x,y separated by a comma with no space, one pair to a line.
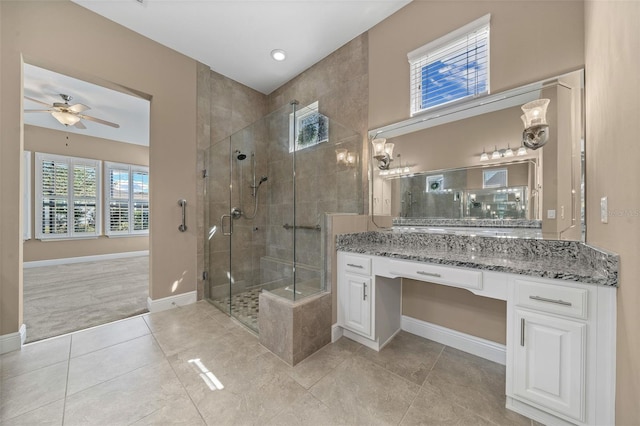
494,178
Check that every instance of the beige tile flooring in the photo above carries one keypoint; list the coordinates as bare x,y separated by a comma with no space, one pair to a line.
137,371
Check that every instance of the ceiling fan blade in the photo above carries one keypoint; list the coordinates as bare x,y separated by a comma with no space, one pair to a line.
37,101
97,120
78,108
39,110
79,125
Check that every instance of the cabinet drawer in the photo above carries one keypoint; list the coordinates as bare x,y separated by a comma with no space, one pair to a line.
450,276
555,299
357,264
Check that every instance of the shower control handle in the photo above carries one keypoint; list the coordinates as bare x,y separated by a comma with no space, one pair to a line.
227,234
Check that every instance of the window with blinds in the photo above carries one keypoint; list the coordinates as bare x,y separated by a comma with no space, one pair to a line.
452,68
127,201
67,196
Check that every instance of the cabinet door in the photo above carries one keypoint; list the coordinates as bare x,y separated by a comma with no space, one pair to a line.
357,304
549,362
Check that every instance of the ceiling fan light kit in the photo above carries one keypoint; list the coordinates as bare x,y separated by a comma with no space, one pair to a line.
69,115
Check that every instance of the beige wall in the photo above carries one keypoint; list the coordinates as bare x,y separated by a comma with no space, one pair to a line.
39,139
455,308
612,40
515,60
36,31
519,54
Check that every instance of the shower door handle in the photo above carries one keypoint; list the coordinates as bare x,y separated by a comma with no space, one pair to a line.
230,225
183,226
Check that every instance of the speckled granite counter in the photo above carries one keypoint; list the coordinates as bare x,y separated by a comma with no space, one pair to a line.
562,260
480,223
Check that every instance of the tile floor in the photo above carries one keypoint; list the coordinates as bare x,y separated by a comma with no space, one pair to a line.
160,368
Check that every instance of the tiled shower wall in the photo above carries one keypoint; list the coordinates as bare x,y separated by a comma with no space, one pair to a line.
340,84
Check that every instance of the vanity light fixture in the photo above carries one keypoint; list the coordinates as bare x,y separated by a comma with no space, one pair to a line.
344,156
351,158
484,156
508,152
341,156
278,54
383,152
496,154
536,129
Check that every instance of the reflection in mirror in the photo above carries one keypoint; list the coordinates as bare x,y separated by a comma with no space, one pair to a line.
469,193
475,151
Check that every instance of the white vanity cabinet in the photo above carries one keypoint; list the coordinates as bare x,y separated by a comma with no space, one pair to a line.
561,334
369,308
560,351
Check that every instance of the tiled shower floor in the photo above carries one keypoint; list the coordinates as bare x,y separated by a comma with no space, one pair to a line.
244,307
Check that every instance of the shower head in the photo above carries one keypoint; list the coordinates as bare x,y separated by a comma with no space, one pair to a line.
263,179
239,155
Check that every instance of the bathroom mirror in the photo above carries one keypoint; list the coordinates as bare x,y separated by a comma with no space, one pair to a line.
462,166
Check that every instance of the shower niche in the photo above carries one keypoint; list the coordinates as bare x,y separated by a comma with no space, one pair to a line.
265,211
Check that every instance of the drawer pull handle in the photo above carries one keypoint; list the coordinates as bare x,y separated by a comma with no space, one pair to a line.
364,292
429,274
521,331
544,299
355,266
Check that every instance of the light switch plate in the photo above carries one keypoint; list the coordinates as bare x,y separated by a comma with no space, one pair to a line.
551,214
604,209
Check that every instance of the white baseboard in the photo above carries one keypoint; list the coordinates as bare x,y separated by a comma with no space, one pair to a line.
13,341
170,302
474,345
336,332
95,258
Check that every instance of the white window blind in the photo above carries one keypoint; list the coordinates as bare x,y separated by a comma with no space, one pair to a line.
26,197
67,196
452,68
127,204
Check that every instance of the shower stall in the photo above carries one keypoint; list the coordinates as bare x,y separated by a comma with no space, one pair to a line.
268,189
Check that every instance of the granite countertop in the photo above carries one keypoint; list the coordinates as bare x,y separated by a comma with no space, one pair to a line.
562,260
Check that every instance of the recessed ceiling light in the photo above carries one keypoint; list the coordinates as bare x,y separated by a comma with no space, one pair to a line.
278,54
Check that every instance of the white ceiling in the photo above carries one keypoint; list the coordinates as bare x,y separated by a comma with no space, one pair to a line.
130,112
235,37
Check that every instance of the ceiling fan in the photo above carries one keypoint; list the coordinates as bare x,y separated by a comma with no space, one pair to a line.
69,115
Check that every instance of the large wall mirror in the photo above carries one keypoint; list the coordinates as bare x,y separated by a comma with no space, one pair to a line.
466,165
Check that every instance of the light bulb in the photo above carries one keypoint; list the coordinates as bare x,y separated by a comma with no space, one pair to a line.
508,152
522,151
484,156
278,54
341,156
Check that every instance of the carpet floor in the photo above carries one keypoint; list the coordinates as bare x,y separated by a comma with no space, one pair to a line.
64,298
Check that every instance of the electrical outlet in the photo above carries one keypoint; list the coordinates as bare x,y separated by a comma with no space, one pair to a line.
604,210
551,214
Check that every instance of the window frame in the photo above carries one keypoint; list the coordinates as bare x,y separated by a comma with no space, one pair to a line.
71,197
417,56
131,169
